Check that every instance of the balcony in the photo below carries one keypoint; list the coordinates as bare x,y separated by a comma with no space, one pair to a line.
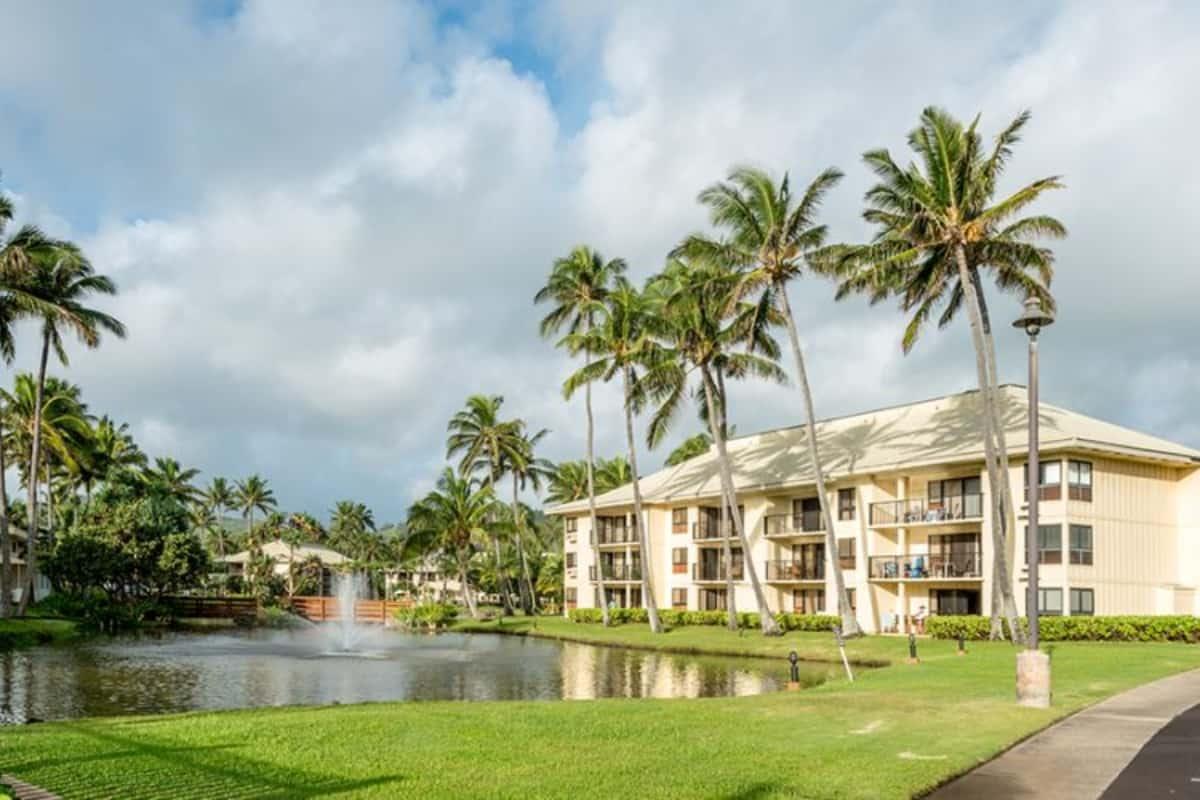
782,525
919,511
703,571
618,572
708,530
794,571
934,567
616,534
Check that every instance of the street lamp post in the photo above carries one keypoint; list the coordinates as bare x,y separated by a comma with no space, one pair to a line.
1033,666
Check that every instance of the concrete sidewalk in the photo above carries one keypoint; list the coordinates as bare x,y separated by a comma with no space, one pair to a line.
1078,758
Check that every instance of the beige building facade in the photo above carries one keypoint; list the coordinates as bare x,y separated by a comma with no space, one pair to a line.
1119,527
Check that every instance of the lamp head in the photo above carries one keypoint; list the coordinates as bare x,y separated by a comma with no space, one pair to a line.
1033,317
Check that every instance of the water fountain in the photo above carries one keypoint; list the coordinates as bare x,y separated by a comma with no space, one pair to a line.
348,636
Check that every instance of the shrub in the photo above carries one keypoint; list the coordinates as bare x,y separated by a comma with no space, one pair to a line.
1079,629
674,618
426,616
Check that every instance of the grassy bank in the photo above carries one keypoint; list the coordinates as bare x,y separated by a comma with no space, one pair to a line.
894,732
29,631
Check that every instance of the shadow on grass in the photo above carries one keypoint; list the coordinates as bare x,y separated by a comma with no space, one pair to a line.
142,769
755,791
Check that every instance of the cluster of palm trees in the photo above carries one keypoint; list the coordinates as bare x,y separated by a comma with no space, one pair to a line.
49,282
710,316
463,521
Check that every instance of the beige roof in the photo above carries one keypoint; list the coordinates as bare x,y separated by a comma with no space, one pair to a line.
280,552
938,431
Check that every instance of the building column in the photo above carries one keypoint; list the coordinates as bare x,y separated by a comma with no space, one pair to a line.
902,546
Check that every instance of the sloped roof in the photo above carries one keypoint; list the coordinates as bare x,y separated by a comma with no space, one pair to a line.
943,430
280,552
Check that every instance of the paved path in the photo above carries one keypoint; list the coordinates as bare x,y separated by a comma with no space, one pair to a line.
25,791
1078,758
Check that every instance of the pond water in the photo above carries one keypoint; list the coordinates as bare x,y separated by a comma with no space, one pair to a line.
241,669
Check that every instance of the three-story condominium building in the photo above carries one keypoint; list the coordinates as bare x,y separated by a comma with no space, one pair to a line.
1119,527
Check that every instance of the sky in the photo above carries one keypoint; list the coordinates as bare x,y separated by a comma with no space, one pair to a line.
328,220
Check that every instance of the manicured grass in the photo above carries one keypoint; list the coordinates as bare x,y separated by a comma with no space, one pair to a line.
28,631
894,732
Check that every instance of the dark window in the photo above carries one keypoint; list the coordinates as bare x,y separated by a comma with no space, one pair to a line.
1049,543
806,514
572,524
955,554
679,520
1079,480
570,561
954,498
1081,544
1049,480
712,599
845,504
846,553
1083,602
570,594
808,601
679,598
811,559
1050,602
954,602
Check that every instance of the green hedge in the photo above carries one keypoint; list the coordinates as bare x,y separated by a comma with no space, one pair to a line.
1078,629
674,618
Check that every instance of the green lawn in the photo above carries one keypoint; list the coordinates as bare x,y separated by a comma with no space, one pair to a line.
894,732
29,631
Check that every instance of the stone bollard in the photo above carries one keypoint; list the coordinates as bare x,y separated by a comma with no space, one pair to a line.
1033,679
912,649
794,660
962,645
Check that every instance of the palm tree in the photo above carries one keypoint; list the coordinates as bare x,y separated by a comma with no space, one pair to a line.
485,444
62,279
938,226
622,344
527,470
613,473
568,483
169,477
706,324
112,448
252,495
348,521
770,237
689,448
577,283
453,518
219,496
7,352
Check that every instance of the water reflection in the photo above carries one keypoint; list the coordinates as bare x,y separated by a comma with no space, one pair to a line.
186,671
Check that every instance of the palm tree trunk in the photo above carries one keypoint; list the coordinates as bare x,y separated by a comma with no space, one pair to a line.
49,507
528,598
34,464
591,481
849,622
731,617
6,573
502,578
769,626
468,595
648,598
1007,508
999,546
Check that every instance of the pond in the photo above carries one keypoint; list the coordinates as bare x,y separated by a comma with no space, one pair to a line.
241,669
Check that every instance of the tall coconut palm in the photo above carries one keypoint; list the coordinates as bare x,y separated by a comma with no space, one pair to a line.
63,280
219,496
707,326
769,234
7,352
172,479
613,473
689,448
939,225
349,520
577,283
252,495
622,344
568,483
454,518
484,443
526,471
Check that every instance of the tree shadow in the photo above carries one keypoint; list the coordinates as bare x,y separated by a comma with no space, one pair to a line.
223,771
755,791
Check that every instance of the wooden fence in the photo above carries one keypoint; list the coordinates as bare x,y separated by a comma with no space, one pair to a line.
326,609
213,607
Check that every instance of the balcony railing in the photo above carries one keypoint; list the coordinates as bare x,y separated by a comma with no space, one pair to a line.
793,524
624,534
795,571
707,529
925,567
715,572
618,572
919,510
